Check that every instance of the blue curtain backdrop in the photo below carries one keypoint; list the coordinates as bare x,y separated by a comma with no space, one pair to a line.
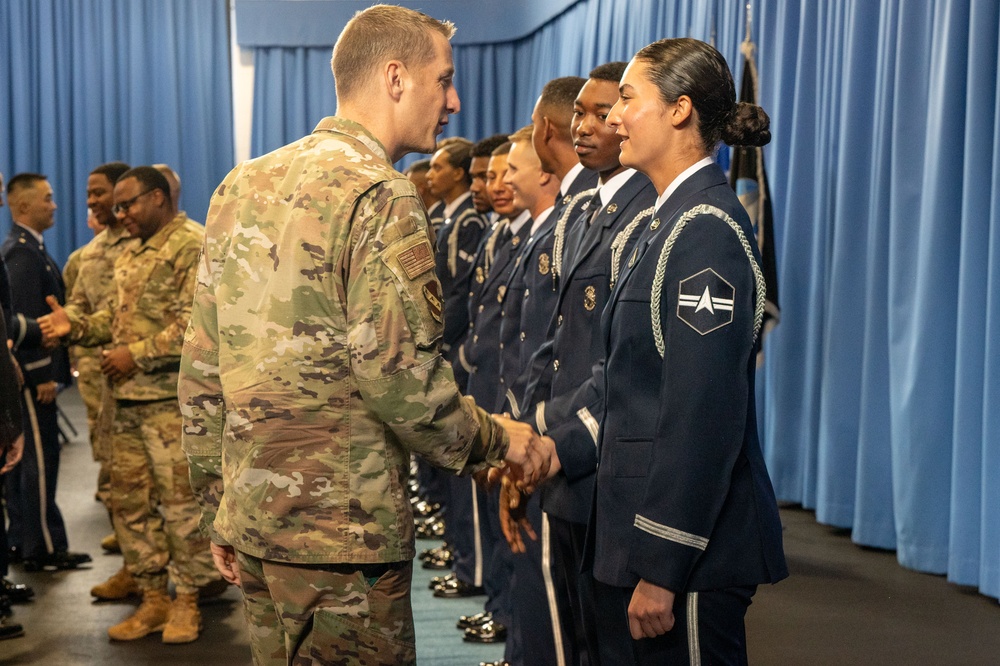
90,81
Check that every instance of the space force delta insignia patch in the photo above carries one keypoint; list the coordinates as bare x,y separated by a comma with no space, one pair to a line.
705,301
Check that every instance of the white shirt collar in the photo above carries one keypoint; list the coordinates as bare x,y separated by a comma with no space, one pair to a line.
449,209
610,189
538,221
568,179
38,236
518,222
684,175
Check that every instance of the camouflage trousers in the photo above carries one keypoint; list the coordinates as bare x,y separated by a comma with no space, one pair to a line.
356,614
153,508
95,392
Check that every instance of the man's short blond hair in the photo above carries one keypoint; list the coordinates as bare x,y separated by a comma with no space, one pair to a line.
521,135
377,35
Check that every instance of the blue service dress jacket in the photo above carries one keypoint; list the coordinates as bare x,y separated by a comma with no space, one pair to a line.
683,498
480,352
522,298
33,276
456,244
555,400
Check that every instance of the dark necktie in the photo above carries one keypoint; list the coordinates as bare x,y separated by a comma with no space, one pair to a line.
594,207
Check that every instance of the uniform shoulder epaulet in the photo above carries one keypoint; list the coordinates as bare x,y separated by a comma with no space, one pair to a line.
621,240
560,231
661,267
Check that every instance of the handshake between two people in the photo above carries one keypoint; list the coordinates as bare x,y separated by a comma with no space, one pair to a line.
531,460
117,363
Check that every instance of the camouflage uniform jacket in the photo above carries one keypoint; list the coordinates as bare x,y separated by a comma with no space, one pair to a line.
155,286
311,367
92,293
71,274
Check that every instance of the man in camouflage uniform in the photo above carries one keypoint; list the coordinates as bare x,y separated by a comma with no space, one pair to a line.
155,512
311,369
90,287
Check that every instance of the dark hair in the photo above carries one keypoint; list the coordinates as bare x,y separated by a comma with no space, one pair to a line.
459,152
558,99
150,179
485,147
502,149
112,171
691,67
23,181
562,92
419,166
609,71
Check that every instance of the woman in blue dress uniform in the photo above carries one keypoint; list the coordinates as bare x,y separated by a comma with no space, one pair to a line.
685,523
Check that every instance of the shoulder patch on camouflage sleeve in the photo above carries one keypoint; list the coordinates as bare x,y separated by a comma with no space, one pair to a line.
432,294
417,258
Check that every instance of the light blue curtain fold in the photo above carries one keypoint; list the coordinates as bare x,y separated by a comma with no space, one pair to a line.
90,81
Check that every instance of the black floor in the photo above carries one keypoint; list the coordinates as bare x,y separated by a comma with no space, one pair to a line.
842,604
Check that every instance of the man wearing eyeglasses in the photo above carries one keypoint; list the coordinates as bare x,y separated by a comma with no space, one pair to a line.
153,507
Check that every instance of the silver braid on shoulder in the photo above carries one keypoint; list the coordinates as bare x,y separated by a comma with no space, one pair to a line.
621,240
661,267
560,231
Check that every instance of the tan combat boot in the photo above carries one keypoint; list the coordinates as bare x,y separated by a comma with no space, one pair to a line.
110,543
148,618
119,586
184,620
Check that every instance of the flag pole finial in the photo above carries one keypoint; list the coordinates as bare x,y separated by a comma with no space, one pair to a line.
749,23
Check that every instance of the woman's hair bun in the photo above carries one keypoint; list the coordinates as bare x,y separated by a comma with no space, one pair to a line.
748,125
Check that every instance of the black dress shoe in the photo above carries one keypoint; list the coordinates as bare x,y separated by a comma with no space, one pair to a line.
56,561
438,563
10,629
457,589
477,620
429,528
444,550
491,632
438,581
425,509
16,592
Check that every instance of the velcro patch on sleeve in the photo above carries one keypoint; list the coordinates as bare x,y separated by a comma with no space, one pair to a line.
416,259
432,294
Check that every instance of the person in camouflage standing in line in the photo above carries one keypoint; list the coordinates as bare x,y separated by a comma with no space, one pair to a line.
90,287
311,368
155,512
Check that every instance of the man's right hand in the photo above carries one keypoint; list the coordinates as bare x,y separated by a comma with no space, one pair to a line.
55,325
529,454
224,558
